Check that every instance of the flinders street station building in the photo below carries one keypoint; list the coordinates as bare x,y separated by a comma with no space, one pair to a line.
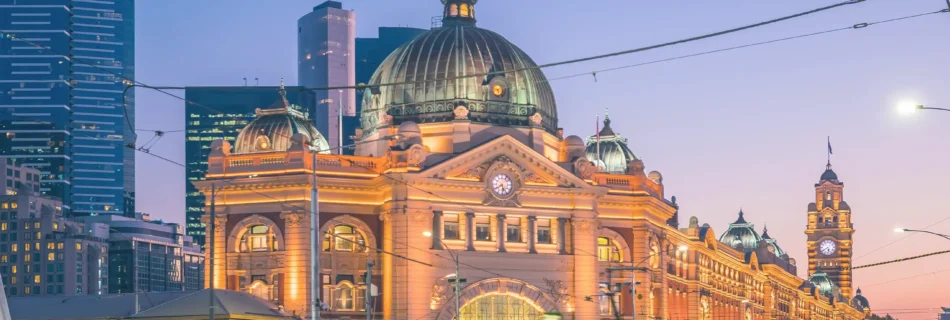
459,158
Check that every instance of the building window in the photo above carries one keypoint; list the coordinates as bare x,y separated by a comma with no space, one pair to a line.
500,307
513,233
463,11
607,301
450,227
258,238
348,239
344,297
78,246
544,231
607,250
453,10
51,257
37,279
482,229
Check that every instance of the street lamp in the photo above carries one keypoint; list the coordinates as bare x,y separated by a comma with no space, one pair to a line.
907,108
458,280
902,230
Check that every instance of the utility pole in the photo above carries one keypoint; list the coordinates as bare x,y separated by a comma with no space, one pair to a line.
211,260
633,285
314,240
369,294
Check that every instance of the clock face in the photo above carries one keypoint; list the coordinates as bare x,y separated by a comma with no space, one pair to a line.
501,184
497,90
827,247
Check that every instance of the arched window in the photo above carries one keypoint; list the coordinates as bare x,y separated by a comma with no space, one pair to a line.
345,297
827,195
607,250
344,238
464,11
607,301
258,238
453,10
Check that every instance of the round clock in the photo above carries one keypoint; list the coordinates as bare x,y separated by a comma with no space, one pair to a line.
501,184
497,90
827,247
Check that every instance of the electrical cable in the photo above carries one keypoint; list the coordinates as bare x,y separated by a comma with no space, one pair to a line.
901,238
901,259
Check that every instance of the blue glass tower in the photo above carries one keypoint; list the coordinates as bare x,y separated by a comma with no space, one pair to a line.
63,68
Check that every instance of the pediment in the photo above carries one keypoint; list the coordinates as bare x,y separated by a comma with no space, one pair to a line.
475,164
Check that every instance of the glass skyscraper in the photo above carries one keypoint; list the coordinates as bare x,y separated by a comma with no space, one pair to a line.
326,58
221,113
63,66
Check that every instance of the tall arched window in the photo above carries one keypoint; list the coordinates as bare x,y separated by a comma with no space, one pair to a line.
607,250
464,10
344,238
607,301
500,307
827,195
345,297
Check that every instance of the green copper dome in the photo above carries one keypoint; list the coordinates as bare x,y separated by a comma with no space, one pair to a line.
446,67
609,150
741,235
272,129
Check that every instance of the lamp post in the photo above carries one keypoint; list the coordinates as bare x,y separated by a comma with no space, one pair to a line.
902,230
633,280
458,280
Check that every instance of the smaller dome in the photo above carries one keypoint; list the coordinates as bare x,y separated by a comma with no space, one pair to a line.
609,150
409,127
859,301
829,175
574,141
274,127
772,243
741,235
825,286
656,177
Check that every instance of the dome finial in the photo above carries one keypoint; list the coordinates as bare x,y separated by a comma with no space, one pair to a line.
283,92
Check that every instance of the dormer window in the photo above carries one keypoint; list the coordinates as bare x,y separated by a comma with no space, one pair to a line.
827,195
453,10
464,10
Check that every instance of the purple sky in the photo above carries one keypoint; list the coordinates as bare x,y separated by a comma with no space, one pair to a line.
742,128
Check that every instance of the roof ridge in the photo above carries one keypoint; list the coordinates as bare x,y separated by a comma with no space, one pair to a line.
167,302
215,297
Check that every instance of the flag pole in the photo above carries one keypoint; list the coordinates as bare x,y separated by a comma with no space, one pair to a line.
597,134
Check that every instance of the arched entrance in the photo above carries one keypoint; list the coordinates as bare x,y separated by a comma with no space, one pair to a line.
501,306
496,299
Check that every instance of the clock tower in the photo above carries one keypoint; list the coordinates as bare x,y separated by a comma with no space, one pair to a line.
830,232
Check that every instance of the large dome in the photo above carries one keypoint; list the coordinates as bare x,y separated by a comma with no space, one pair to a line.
272,129
431,83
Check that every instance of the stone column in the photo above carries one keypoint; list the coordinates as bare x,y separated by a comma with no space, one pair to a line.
585,267
470,231
561,236
437,230
532,239
296,288
501,233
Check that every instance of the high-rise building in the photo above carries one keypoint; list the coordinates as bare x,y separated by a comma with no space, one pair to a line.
63,110
221,112
326,57
42,252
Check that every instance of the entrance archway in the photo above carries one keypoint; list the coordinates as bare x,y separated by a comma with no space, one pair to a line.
498,298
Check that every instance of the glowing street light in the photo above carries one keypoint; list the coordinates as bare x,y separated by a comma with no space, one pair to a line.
910,107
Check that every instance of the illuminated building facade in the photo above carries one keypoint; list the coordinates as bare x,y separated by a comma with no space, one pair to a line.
221,113
477,167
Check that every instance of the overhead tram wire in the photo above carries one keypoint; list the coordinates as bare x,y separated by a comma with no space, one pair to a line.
548,65
901,238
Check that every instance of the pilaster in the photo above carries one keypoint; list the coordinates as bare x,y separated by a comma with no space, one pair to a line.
585,267
297,291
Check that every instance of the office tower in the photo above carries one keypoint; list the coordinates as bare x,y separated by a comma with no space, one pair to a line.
222,112
63,67
149,256
326,58
41,251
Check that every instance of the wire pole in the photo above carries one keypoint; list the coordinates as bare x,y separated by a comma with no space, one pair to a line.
211,262
314,240
369,284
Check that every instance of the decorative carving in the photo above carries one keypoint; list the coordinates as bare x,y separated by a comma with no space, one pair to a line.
558,292
502,165
416,156
583,168
440,294
531,177
704,310
475,172
461,113
584,224
421,218
219,223
536,119
385,217
292,219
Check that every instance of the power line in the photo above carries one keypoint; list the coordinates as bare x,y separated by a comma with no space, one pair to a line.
904,237
901,259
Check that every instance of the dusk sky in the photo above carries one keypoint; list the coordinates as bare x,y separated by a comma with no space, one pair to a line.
744,128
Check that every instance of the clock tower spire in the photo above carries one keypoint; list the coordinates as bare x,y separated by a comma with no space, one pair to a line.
830,232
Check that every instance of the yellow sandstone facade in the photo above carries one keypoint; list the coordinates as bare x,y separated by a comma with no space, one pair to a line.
476,168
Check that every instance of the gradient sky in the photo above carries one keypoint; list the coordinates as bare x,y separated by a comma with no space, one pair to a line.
744,128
